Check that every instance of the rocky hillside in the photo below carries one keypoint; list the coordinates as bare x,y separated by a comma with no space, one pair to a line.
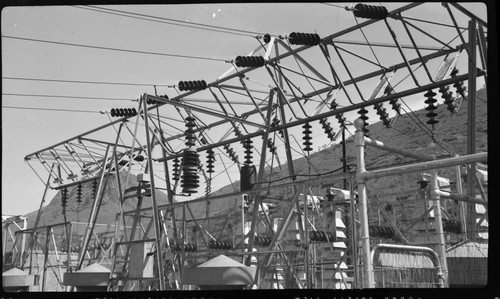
79,212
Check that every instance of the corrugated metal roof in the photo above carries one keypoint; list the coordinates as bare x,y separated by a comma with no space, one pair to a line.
468,249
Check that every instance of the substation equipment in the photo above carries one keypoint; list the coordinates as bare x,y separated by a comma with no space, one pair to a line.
317,233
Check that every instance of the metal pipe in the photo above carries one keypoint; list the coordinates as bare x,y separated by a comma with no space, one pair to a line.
461,207
381,145
432,253
423,166
471,128
354,231
359,140
463,198
438,223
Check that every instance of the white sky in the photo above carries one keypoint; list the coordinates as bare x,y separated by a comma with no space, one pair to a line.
26,131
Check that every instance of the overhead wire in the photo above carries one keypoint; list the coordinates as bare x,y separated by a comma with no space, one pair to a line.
65,96
112,49
84,82
185,23
52,109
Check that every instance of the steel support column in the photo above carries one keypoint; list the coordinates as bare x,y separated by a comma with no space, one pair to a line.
156,219
471,129
359,141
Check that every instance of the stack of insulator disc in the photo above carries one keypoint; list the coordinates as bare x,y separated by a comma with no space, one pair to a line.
176,169
262,241
248,151
448,99
237,132
309,39
225,245
307,137
381,231
192,85
396,106
210,160
231,153
189,177
139,158
328,129
384,116
119,112
362,112
94,188
79,193
64,197
274,124
190,134
459,86
208,187
270,146
123,162
340,117
431,107
321,236
187,247
249,61
370,11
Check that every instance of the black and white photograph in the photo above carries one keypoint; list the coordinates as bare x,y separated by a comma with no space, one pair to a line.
184,149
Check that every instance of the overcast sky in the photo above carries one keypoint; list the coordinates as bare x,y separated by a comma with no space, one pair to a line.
27,130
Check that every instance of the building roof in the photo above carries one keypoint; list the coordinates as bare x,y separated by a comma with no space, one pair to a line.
468,249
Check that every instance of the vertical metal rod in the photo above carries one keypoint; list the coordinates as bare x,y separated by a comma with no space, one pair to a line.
155,211
483,52
461,204
438,223
45,258
306,242
354,242
363,206
242,196
471,129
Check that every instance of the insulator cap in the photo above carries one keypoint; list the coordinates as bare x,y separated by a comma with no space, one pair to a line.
370,11
192,85
267,38
308,39
249,61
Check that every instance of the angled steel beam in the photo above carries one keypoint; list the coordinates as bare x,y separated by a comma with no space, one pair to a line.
468,13
201,110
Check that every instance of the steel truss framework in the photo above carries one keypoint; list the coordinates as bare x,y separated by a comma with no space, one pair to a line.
303,84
